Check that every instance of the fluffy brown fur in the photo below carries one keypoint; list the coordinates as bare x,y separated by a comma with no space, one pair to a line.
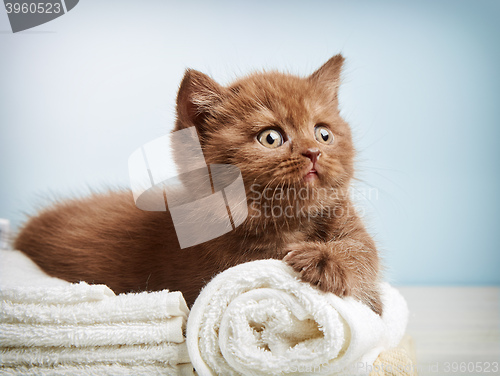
106,239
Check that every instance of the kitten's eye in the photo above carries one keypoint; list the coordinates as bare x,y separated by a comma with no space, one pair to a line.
270,138
323,134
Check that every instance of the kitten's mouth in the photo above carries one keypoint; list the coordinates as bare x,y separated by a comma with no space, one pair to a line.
311,176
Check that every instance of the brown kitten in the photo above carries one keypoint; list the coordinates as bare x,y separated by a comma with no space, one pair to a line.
295,153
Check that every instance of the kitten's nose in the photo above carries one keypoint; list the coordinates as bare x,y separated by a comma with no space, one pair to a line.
313,154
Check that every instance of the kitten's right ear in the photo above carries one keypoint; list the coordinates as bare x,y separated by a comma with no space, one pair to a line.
197,97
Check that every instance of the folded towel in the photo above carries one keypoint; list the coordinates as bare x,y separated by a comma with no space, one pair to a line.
102,370
258,318
50,326
18,271
127,333
126,355
19,306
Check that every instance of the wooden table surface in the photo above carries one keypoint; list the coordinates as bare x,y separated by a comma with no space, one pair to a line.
455,330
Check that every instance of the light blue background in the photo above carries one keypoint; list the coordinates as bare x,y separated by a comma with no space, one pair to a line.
421,91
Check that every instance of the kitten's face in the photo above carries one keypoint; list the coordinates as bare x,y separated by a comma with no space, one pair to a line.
280,130
274,126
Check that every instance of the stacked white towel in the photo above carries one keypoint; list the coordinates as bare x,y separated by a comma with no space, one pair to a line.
51,327
258,318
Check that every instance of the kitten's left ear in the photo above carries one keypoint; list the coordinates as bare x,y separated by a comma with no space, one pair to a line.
329,74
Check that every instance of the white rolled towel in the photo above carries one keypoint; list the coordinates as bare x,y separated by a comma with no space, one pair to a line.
258,318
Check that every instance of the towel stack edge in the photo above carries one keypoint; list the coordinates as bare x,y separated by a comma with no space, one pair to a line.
53,327
101,370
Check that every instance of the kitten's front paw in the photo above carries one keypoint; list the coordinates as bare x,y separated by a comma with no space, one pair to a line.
328,267
317,265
